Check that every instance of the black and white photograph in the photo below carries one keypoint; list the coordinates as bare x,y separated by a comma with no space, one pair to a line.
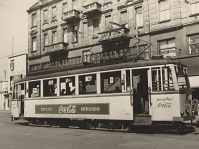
99,74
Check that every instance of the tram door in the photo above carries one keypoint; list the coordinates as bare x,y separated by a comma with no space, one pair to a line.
17,103
140,92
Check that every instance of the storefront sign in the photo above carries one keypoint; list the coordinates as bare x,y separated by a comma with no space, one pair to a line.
73,109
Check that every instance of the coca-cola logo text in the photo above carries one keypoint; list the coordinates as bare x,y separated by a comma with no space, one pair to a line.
69,109
164,105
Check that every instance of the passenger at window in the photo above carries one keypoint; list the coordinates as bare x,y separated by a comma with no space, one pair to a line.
68,92
34,93
117,89
63,92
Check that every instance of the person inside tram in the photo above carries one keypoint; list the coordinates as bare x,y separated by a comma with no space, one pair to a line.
63,91
117,89
34,92
142,95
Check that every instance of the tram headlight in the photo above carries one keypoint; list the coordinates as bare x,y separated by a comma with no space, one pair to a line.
182,113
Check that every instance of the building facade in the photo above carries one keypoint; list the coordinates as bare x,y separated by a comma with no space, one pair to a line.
66,34
4,96
17,69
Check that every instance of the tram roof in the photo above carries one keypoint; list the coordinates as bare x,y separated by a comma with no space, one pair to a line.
95,68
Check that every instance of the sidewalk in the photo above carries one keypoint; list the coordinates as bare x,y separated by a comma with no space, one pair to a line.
4,111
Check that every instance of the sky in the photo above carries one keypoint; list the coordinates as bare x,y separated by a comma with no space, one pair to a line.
13,30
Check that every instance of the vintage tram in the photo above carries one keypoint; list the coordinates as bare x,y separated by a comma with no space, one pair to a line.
116,95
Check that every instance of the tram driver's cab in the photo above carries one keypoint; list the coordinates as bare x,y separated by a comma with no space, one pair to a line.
17,101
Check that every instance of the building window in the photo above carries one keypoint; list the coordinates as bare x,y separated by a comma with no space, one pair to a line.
65,31
34,44
45,16
124,17
194,8
139,17
75,33
164,10
45,39
108,19
95,27
86,56
75,4
167,47
85,29
54,37
54,12
194,44
65,7
34,20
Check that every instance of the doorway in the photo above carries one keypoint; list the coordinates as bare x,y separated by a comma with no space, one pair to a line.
140,91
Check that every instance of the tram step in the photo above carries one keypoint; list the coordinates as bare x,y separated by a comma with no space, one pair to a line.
142,119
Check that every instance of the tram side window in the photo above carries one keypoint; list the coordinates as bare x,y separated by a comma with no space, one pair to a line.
14,94
181,76
50,87
87,84
67,86
111,82
156,80
22,86
128,81
162,81
34,89
167,79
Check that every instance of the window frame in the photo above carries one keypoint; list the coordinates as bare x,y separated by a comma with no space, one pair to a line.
54,37
139,17
54,12
95,26
168,49
195,44
75,33
46,39
45,16
34,20
34,44
165,11
196,5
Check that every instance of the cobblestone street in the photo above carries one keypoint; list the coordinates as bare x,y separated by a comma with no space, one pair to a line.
18,135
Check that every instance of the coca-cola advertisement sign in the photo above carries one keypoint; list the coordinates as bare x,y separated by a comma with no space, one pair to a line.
102,108
164,102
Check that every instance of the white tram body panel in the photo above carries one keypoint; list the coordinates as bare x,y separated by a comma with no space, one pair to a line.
15,106
166,107
81,107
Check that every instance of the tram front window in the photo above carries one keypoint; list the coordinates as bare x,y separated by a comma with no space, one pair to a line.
111,82
182,78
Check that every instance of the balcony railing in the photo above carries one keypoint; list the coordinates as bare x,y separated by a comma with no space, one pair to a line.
112,34
55,47
92,9
71,16
97,58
